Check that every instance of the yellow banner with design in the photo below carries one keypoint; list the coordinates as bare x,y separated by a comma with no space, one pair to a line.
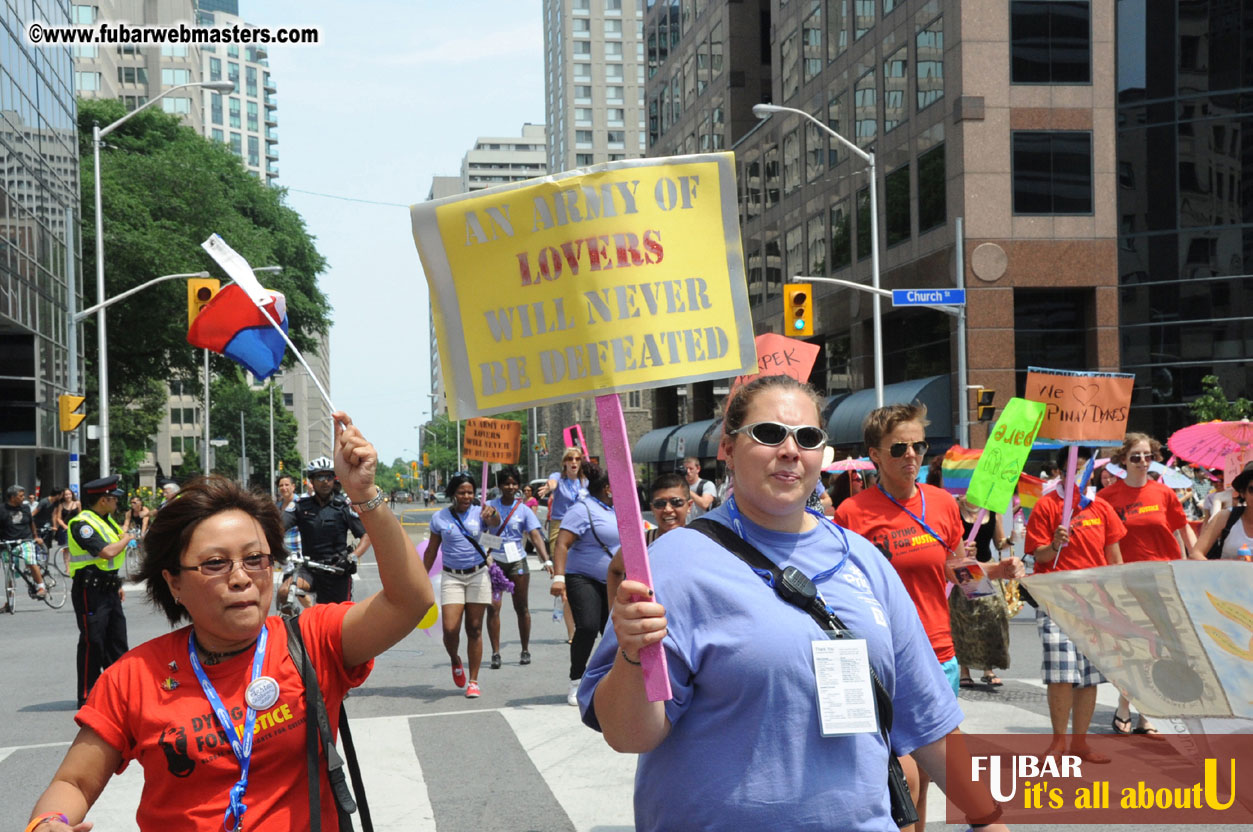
618,277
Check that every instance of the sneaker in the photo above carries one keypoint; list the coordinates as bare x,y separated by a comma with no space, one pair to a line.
495,661
458,673
572,698
472,690
526,657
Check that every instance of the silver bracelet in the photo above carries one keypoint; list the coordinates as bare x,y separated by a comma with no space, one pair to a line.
370,504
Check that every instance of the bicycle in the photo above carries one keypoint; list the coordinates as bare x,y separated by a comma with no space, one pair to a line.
13,557
300,599
57,554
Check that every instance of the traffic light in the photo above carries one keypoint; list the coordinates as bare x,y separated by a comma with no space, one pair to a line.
426,460
66,405
280,465
798,310
200,290
413,466
983,401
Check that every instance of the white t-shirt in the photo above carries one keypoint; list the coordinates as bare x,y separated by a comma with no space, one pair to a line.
1235,539
702,488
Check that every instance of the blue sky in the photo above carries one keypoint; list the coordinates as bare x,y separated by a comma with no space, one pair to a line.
395,94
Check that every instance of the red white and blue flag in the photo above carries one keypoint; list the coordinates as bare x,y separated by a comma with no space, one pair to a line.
231,324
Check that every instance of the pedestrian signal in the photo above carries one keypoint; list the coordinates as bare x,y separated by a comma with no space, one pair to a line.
798,310
67,403
984,409
200,290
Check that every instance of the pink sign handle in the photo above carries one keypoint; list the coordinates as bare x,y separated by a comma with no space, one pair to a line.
483,489
970,538
1068,504
626,503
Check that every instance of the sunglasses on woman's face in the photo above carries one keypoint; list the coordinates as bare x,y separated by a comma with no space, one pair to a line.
673,502
1140,458
808,437
898,449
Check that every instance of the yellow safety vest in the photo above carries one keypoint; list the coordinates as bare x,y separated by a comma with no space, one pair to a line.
109,533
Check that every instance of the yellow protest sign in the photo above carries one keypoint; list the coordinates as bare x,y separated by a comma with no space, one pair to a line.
619,277
492,440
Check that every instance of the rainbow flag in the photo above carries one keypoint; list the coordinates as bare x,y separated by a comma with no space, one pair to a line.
957,468
1030,490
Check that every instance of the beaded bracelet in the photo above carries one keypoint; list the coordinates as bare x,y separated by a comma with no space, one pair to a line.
629,660
39,820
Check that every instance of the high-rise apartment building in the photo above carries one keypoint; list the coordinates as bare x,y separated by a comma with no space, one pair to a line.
998,113
496,160
38,185
594,80
246,119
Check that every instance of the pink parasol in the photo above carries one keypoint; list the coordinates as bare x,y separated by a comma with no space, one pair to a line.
862,464
1214,445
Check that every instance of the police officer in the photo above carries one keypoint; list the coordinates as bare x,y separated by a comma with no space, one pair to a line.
97,550
325,520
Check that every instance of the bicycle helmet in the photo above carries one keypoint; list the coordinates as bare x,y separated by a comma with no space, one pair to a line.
320,464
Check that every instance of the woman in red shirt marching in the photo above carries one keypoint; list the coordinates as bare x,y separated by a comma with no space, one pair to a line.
1155,521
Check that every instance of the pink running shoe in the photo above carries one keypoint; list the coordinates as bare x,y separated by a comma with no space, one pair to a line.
472,690
458,674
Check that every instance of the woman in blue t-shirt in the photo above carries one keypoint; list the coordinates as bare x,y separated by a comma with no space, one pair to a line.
746,742
518,522
465,587
585,545
566,487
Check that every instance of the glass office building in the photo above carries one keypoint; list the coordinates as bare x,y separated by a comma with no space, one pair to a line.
38,184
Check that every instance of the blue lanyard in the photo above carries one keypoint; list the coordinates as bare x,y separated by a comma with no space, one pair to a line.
241,746
599,503
737,524
919,520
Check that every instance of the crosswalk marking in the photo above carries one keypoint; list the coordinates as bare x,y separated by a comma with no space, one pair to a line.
389,768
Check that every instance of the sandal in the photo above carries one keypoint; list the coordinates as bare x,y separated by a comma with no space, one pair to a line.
1149,731
992,680
1122,725
966,682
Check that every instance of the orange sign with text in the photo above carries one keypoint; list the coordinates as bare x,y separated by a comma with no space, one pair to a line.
1081,408
492,440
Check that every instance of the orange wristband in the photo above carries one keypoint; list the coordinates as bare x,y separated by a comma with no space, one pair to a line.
39,820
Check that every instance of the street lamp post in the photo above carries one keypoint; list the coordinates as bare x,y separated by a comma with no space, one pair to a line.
765,111
97,139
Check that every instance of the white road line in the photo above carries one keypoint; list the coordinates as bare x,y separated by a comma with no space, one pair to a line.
393,776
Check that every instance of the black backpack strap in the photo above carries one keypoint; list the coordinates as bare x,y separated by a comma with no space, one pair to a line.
473,541
354,771
317,721
1233,517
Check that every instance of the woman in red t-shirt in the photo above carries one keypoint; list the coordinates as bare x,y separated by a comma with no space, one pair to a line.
174,703
1155,521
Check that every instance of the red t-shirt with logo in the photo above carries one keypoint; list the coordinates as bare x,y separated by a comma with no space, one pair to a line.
1091,530
149,706
917,556
1152,515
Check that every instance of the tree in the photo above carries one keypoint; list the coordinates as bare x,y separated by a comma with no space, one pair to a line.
1213,404
232,395
166,189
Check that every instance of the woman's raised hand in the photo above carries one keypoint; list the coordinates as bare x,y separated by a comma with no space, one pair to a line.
355,458
637,624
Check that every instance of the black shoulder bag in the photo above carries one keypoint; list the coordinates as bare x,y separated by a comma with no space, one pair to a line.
473,541
318,729
794,587
1216,551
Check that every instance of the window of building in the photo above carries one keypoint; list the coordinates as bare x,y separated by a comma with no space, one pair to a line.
83,15
217,134
215,108
811,40
932,189
689,80
613,28
173,51
583,115
1050,41
189,416
582,93
864,240
752,187
676,97
613,93
237,146
789,60
582,72
616,139
584,159
896,213
215,69
235,119
794,242
816,240
1052,172
176,416
252,116
815,149
250,80
715,49
615,116
1051,324
771,157
929,63
888,5
613,49
132,75
582,48
718,122
791,161
866,109
177,106
175,77
613,72
289,400
895,85
581,5
87,81
837,29
634,399
836,120
86,53
613,6
232,73
863,17
254,151
134,102
774,264
580,26
841,236
232,51
582,137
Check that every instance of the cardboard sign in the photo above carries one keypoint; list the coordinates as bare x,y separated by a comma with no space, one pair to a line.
619,277
778,355
573,437
999,469
1082,408
492,440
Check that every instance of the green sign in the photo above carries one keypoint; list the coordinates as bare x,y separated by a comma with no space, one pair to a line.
996,474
